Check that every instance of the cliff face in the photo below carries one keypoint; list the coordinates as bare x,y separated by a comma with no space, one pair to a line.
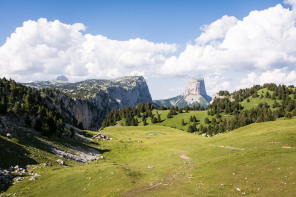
130,92
90,112
91,100
196,87
195,93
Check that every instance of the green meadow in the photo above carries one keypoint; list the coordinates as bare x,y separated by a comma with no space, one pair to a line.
256,160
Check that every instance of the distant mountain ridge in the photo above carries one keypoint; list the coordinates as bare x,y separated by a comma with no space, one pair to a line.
195,93
91,100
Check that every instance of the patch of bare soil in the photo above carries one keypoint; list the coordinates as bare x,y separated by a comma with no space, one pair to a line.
229,147
288,147
184,157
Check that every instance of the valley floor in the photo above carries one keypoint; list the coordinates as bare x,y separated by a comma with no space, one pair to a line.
256,160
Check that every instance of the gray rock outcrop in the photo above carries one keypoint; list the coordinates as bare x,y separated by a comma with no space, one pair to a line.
91,100
196,87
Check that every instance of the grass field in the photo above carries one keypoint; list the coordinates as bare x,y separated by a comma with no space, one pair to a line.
256,160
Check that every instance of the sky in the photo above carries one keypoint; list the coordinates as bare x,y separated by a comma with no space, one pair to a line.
231,44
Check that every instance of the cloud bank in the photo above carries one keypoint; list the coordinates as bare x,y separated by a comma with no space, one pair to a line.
261,45
43,48
230,53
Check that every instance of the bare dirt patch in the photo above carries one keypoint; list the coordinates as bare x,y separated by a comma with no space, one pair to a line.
184,157
288,147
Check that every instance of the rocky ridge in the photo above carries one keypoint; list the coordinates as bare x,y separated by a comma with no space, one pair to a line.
91,100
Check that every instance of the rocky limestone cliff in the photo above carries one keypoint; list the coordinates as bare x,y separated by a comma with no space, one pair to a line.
196,86
91,100
195,93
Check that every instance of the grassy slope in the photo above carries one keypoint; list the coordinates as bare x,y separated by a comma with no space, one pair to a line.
255,101
176,120
244,158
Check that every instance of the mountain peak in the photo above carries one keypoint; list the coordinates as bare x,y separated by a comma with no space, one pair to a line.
62,78
196,87
195,93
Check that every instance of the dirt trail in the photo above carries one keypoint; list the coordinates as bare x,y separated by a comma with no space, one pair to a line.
288,147
169,181
229,147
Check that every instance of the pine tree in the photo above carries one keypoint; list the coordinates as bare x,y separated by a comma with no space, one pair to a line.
190,129
294,112
16,107
194,127
3,106
183,123
28,120
144,122
158,118
72,132
11,99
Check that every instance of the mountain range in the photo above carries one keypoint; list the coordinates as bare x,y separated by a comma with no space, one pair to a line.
91,100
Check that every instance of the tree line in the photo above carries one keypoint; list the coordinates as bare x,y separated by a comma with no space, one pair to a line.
31,104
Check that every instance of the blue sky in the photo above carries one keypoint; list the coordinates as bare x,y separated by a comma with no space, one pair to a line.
172,23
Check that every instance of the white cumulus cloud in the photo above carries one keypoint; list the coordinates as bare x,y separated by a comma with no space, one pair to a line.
42,49
229,53
278,76
291,2
262,42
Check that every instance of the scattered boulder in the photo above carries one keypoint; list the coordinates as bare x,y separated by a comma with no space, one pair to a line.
18,179
61,162
8,135
101,136
33,178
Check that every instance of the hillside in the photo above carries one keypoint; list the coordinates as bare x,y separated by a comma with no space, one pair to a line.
155,161
152,159
226,112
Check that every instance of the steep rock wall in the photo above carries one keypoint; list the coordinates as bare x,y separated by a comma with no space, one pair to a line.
102,96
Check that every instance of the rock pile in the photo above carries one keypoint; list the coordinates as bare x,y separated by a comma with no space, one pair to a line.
15,174
80,156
